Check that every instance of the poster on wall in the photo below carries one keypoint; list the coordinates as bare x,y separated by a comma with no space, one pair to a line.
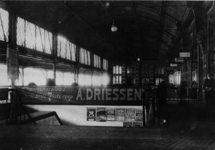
110,114
129,114
120,114
101,114
91,114
127,124
139,115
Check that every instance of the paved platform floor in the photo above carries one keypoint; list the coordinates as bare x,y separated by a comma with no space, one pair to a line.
187,128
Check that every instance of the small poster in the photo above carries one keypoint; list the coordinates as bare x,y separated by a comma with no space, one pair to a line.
139,115
120,114
110,114
127,124
137,124
129,114
101,114
91,114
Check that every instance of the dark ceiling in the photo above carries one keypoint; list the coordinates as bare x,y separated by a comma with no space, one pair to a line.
145,28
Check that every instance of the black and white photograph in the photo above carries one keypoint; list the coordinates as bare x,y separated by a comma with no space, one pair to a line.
107,75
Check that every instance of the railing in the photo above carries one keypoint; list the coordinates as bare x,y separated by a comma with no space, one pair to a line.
18,112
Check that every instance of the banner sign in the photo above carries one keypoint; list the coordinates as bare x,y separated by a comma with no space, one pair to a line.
81,95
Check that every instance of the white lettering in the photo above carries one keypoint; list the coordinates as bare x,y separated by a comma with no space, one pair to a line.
137,94
97,93
108,94
116,94
89,94
129,94
122,92
79,95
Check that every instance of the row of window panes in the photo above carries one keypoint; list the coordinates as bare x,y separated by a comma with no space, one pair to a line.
159,70
66,49
4,25
97,61
105,64
38,76
117,79
33,37
117,69
84,57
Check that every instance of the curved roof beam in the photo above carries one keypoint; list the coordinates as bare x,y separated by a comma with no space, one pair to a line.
70,9
167,16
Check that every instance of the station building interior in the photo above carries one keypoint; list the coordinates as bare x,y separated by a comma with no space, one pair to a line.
87,73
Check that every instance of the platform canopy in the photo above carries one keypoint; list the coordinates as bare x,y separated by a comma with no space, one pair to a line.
144,28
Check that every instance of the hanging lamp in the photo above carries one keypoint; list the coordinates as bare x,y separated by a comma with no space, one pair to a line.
113,27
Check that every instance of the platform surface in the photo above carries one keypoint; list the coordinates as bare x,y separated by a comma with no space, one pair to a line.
194,129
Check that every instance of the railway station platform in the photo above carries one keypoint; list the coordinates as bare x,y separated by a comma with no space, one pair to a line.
187,127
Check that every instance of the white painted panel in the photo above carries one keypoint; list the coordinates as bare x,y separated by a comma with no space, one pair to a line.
77,115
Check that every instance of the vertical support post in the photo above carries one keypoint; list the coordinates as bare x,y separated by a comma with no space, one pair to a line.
140,83
54,72
12,30
23,73
76,73
12,44
199,74
92,70
153,108
102,71
54,53
143,106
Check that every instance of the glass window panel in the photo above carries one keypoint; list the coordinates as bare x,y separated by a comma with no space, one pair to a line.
63,48
42,34
48,42
4,25
73,52
85,57
68,78
81,79
3,74
30,35
67,54
114,69
105,64
88,58
39,46
120,69
20,32
114,79
59,78
99,62
120,80
81,57
117,69
117,79
34,75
